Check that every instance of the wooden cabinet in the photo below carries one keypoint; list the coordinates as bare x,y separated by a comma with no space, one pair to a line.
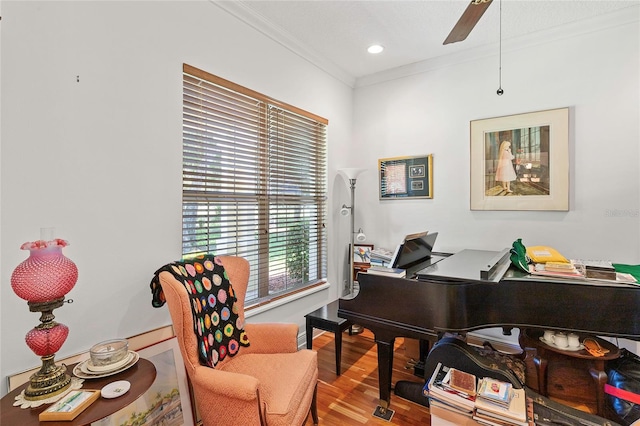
359,267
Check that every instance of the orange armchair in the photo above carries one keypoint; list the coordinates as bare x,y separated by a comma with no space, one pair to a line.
269,382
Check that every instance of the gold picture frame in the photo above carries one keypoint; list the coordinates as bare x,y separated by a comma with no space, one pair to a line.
406,177
70,406
520,162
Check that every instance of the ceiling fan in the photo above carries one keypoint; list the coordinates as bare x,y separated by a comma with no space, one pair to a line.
468,20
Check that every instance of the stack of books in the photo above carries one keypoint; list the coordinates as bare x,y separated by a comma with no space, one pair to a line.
499,404
451,390
388,272
556,269
459,398
381,257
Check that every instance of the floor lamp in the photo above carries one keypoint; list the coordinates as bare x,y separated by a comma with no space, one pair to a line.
350,176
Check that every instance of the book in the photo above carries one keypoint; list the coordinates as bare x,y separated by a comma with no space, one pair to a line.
381,254
438,388
558,267
495,391
540,269
389,272
514,413
598,269
463,381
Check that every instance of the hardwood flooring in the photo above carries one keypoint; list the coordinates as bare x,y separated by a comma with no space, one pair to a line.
351,398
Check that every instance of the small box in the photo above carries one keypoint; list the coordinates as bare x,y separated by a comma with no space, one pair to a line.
70,406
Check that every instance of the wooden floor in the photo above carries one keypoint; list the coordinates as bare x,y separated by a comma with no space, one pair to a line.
351,398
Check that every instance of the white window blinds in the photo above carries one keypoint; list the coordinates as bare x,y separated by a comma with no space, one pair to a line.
254,183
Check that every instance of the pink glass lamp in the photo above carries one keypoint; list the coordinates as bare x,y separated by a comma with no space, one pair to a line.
43,280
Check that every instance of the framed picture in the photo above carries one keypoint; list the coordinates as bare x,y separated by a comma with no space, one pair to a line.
168,400
70,406
406,177
362,253
521,162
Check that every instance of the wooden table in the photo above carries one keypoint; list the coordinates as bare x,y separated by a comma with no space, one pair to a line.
573,376
141,376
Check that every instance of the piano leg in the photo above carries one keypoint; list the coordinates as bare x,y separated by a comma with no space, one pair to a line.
385,368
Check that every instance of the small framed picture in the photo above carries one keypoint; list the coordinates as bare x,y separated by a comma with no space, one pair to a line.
406,177
362,253
416,171
70,406
417,185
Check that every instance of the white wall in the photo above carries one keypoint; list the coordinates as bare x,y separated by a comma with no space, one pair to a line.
596,75
100,158
427,110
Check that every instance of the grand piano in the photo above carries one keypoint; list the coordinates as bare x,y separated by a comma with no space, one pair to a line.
436,297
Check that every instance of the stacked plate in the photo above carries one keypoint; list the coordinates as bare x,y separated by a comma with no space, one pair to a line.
87,370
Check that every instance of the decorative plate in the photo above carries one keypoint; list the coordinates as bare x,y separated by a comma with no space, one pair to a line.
80,370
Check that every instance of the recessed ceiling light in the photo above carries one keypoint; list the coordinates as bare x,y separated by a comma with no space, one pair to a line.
375,48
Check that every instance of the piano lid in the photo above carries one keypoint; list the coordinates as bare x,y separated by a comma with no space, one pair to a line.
469,266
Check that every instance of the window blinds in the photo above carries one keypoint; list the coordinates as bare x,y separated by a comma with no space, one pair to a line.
254,183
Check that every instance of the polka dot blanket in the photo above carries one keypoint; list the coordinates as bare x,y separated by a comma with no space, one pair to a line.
213,304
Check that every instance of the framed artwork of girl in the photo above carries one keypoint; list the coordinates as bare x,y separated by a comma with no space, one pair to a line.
505,173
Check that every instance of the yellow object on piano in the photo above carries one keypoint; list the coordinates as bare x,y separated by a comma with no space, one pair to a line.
544,254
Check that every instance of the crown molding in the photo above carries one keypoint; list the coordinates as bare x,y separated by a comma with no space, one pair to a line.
277,34
574,29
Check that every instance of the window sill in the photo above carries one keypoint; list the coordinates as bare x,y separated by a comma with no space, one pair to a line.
258,309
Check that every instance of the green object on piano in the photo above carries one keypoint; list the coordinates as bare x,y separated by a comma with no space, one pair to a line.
519,257
628,269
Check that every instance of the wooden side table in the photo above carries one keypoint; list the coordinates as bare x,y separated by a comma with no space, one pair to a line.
141,376
326,318
573,376
359,267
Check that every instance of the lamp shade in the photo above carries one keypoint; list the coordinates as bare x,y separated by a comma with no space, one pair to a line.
46,274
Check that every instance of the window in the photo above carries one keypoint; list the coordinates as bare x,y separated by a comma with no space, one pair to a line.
254,184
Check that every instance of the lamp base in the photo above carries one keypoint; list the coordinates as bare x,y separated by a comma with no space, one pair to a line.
50,380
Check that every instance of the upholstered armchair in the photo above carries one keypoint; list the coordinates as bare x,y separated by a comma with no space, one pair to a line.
269,382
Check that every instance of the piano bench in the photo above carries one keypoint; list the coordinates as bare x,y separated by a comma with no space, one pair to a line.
326,318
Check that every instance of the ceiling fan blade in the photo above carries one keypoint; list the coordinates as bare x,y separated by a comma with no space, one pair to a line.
468,20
